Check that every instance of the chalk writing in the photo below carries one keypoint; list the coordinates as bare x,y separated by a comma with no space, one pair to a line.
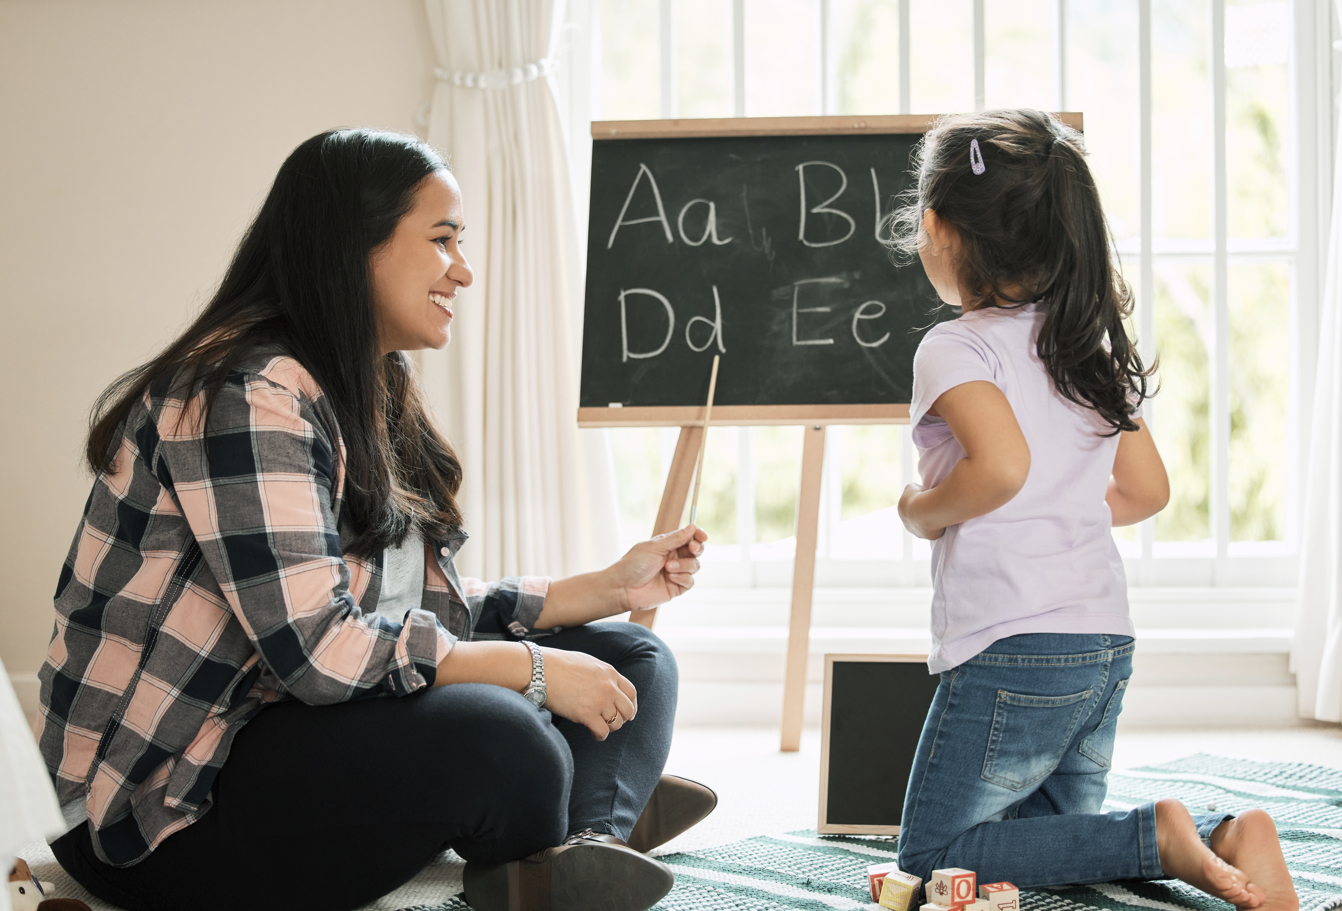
624,321
823,208
710,227
661,210
715,323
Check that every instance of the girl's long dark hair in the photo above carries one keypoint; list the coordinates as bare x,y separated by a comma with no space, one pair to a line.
300,282
1032,220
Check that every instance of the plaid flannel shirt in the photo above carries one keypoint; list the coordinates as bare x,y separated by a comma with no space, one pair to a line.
207,579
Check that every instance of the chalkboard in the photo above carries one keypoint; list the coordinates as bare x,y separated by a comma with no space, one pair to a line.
875,706
762,248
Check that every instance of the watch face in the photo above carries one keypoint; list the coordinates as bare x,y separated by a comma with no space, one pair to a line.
537,696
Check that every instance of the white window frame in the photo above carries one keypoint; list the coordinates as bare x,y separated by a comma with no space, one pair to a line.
1217,563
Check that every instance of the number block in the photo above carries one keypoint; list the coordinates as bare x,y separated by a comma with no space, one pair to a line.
876,874
1000,896
899,892
952,886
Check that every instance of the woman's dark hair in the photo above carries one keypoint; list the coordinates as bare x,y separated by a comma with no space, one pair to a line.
300,282
1031,220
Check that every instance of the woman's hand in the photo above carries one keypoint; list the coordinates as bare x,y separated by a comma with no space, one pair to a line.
908,514
587,690
659,569
652,573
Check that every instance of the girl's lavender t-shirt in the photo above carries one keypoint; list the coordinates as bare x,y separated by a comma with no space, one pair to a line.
1045,562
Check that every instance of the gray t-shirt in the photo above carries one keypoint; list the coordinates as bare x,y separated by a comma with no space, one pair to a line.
402,577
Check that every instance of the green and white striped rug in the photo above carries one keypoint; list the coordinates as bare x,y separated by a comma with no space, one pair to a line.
800,871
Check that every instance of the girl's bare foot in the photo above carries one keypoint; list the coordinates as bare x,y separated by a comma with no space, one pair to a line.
1250,843
1185,857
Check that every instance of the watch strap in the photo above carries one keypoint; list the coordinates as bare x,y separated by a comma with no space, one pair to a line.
535,690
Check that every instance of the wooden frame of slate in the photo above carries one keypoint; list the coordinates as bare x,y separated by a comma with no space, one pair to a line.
758,239
874,710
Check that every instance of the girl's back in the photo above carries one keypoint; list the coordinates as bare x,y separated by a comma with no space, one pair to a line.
1046,560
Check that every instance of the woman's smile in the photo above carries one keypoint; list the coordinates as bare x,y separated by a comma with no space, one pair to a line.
441,301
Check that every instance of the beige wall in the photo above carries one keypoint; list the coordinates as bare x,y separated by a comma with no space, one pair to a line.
137,138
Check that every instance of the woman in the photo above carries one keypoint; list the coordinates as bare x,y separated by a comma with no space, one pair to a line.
268,548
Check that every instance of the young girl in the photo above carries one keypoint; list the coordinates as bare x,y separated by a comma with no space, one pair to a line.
1026,415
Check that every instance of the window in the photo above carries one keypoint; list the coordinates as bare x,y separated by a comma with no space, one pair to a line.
1200,123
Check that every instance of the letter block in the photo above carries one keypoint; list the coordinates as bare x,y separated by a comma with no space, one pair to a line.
934,906
1001,896
952,886
876,874
899,892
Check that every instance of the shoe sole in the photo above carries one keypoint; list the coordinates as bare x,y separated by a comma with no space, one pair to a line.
583,877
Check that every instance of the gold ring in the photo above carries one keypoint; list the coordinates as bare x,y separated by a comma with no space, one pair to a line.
610,720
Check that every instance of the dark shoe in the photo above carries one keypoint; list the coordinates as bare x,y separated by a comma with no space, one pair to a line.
588,872
675,805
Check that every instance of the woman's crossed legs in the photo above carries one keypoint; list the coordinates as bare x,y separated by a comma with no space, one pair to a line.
332,806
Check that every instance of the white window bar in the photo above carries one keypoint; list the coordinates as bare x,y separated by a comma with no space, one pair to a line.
825,72
1146,292
980,56
905,59
667,47
739,64
1060,52
1220,356
745,490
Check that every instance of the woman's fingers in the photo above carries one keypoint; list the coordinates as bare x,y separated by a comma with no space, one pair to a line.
626,703
682,565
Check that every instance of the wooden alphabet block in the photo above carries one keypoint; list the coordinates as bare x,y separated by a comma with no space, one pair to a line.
876,874
1000,896
899,892
934,906
952,886
978,904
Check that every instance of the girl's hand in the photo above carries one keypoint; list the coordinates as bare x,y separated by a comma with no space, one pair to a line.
908,514
587,690
657,570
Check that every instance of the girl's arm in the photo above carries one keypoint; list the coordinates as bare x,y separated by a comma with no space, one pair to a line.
1139,487
994,469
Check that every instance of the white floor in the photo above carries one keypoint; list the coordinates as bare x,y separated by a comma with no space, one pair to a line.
762,790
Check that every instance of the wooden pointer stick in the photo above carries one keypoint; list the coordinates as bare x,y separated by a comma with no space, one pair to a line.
703,443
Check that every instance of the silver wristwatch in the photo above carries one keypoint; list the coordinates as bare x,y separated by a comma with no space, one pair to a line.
535,691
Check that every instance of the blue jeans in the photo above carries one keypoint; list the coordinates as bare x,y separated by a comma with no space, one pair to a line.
1011,769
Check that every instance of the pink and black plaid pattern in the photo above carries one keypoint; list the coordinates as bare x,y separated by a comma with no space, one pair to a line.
208,578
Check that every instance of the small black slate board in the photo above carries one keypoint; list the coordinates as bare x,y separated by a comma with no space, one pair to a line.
876,705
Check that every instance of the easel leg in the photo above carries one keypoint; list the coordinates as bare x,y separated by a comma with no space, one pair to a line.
674,498
803,582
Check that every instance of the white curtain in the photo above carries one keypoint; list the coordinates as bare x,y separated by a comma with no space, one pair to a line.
1316,652
539,495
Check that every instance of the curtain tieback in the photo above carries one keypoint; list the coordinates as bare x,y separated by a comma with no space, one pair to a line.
498,79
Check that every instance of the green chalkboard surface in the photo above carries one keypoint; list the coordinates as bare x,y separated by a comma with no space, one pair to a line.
762,248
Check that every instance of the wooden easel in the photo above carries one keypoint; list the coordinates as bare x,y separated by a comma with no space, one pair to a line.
675,497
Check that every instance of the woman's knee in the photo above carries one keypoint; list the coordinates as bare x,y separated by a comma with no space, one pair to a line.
518,773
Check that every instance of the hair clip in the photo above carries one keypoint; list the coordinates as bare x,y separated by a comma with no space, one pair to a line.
976,157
